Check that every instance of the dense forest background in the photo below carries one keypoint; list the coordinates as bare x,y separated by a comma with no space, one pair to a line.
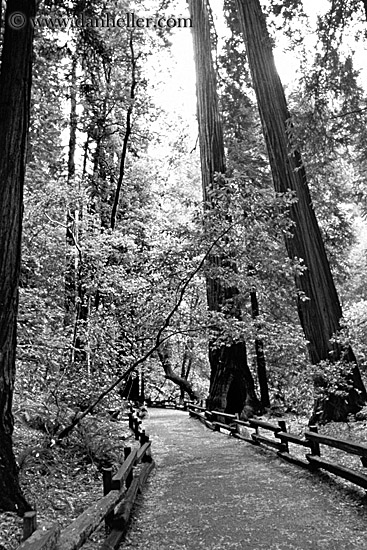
132,261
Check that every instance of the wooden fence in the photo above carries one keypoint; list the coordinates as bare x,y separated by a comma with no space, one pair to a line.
167,404
120,491
282,442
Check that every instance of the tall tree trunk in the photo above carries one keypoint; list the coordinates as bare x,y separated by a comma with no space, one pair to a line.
231,384
128,130
186,365
15,87
76,303
260,355
318,304
70,270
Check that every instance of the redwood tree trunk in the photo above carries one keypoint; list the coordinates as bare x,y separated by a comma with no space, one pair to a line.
231,383
260,355
232,387
15,85
318,305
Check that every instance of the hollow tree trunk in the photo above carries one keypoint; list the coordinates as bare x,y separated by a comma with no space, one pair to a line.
232,387
15,87
318,304
231,384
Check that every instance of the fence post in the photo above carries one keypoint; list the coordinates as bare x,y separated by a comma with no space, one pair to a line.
315,447
107,486
29,524
107,480
127,451
142,437
136,428
131,421
282,425
237,415
147,457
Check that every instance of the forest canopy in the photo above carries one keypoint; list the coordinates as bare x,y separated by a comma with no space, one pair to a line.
169,212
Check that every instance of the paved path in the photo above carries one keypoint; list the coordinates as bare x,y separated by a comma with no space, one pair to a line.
213,492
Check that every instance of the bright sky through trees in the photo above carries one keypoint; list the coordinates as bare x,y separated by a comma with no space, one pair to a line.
177,91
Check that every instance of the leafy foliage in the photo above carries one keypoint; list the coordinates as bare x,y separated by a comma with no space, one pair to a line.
127,280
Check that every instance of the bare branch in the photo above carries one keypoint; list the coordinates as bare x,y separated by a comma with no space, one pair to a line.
354,112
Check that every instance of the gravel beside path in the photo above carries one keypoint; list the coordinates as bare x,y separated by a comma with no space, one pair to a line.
212,492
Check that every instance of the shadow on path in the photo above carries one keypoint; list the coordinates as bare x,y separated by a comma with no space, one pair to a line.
215,492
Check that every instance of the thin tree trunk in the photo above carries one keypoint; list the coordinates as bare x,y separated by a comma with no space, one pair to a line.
70,270
260,355
318,304
15,87
128,130
186,365
185,359
99,173
76,306
231,384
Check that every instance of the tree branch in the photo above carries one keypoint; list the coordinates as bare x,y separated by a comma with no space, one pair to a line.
158,341
164,355
354,112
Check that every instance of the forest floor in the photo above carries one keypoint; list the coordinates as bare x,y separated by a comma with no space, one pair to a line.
194,500
60,481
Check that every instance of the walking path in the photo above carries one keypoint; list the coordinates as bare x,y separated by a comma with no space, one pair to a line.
213,492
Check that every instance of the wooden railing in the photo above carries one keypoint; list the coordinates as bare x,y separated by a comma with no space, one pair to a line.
169,404
165,404
120,491
343,445
282,440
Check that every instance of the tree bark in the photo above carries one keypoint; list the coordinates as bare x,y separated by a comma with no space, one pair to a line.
15,87
365,7
186,365
128,130
260,355
318,303
70,271
165,355
231,384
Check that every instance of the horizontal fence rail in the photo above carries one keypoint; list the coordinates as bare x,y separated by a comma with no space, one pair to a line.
167,404
114,508
281,441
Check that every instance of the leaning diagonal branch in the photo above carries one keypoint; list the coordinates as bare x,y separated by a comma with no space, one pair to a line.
158,341
188,281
